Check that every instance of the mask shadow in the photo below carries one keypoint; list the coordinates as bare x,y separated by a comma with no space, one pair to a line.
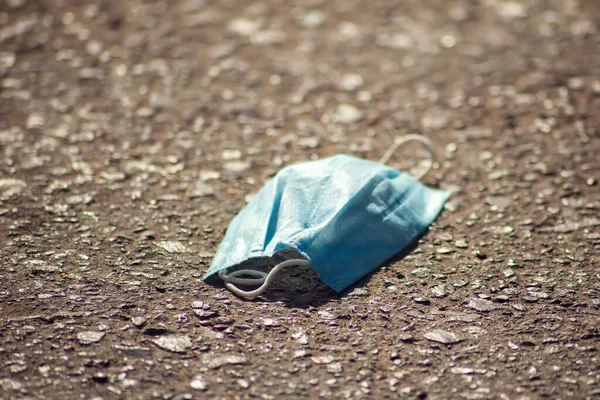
300,287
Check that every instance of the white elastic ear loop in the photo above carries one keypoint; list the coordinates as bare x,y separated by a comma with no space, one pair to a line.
261,278
233,277
399,141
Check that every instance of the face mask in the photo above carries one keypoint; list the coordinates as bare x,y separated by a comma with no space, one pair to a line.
343,216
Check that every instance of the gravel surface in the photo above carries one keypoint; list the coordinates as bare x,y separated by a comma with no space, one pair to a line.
131,132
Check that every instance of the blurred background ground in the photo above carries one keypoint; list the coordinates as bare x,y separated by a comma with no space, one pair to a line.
132,131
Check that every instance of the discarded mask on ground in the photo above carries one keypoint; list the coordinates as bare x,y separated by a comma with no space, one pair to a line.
342,215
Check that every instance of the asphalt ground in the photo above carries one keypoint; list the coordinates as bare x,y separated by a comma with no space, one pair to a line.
132,132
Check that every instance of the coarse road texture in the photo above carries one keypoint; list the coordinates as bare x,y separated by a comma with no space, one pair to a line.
131,132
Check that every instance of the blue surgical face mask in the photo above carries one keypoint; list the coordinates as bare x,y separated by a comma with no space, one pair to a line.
344,216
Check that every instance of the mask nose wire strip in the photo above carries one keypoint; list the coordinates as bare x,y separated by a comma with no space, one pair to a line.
261,278
400,141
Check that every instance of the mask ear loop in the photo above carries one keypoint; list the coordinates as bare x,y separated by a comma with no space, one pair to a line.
400,141
259,278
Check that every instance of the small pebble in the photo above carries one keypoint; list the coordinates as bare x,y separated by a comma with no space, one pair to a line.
198,383
422,300
174,343
482,305
347,114
89,337
442,336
